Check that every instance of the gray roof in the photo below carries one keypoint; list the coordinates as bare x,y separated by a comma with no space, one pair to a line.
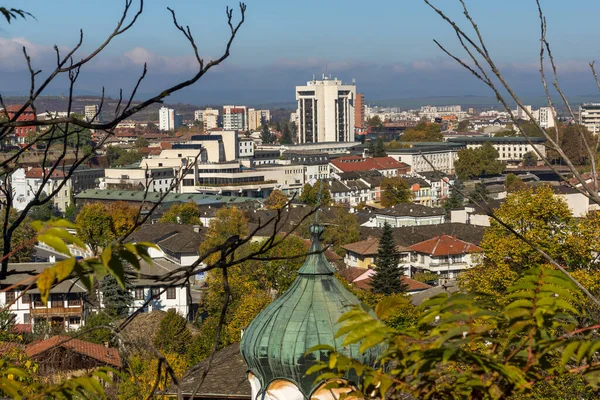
504,139
409,235
227,377
411,210
28,270
176,238
159,266
419,297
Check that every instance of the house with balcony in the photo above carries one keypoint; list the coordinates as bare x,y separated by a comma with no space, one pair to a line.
444,255
362,254
65,306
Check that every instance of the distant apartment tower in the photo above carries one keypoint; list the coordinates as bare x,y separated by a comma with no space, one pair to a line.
589,116
545,117
209,117
235,118
257,117
326,111
91,113
359,111
168,119
522,113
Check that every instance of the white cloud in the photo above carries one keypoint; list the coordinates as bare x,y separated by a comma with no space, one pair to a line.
11,52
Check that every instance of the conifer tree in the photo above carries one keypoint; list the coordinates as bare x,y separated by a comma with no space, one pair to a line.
456,199
117,301
387,278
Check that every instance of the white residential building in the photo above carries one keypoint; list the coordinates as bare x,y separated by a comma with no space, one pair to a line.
429,158
589,116
445,255
510,149
235,118
91,113
168,119
325,111
545,116
25,184
520,113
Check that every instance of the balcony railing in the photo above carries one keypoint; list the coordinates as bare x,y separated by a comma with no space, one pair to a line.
57,311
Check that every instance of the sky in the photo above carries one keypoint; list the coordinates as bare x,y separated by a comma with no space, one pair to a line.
387,46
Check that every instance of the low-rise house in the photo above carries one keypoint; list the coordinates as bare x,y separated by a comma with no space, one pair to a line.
362,254
421,190
445,255
61,355
440,185
65,307
361,279
406,215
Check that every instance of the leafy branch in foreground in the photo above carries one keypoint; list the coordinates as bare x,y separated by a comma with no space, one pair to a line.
462,349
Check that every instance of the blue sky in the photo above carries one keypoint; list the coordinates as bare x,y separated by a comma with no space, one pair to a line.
386,45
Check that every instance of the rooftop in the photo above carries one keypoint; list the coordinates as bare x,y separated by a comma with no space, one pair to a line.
445,245
153,197
106,355
357,163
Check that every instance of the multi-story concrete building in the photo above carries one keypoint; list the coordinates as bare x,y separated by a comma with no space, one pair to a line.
155,179
510,149
257,117
521,113
235,118
359,111
326,111
545,116
589,116
91,113
168,119
433,112
26,183
20,133
209,117
427,158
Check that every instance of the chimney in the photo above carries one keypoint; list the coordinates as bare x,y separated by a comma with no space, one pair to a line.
106,344
196,228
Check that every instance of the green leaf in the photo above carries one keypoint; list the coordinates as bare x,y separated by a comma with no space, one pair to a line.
64,268
568,352
130,257
55,242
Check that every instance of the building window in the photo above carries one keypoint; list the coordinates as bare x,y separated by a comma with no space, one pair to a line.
73,299
155,293
26,298
10,297
27,318
139,294
171,293
74,320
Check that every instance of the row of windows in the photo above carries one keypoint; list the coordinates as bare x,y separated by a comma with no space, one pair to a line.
155,293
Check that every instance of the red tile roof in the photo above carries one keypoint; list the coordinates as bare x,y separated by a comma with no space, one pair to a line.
412,285
106,355
36,173
445,245
357,163
16,107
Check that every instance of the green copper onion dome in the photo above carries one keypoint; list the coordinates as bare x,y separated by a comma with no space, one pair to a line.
275,343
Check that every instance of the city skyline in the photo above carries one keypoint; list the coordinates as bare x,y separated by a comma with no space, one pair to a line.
274,51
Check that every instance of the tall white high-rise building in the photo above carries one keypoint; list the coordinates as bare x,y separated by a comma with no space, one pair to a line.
168,120
589,116
545,116
235,118
90,113
325,111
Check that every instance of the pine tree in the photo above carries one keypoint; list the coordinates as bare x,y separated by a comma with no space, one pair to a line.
266,135
387,278
117,301
480,193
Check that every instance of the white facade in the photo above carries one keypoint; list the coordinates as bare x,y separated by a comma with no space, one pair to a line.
168,120
521,113
421,159
26,183
447,266
433,112
545,117
156,179
325,111
235,118
246,148
90,113
589,116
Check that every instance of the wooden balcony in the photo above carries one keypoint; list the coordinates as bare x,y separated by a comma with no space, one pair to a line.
56,311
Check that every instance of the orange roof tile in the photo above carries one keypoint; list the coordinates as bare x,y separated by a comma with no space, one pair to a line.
368,247
445,245
106,355
36,173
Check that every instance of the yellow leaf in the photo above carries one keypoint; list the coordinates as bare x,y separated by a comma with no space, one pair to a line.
45,282
64,268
